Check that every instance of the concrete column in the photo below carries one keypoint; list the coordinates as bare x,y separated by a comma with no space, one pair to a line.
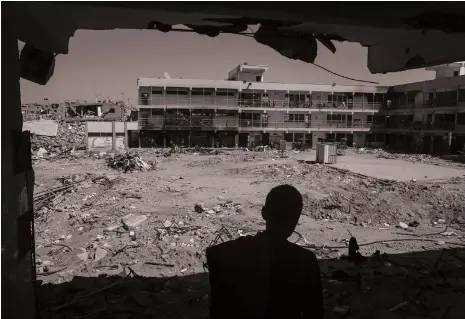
213,140
113,136
18,248
431,144
189,140
236,139
448,143
87,136
126,135
164,140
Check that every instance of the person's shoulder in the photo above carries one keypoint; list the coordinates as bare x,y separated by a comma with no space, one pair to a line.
301,251
231,245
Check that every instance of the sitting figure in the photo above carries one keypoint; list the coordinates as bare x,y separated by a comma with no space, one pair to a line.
266,276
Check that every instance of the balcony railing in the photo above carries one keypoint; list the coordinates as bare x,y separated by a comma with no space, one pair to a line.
158,124
211,101
444,125
154,124
311,125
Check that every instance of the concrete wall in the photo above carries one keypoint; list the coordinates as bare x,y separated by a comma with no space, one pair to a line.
249,76
106,127
103,143
18,271
275,116
446,72
359,99
99,134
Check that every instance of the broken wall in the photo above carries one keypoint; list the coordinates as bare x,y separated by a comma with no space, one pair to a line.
18,269
104,143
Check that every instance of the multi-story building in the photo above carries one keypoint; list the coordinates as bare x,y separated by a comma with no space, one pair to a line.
426,117
244,109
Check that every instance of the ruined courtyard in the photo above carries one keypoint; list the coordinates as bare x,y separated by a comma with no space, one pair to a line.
132,245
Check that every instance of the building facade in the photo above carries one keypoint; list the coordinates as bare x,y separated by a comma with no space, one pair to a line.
245,110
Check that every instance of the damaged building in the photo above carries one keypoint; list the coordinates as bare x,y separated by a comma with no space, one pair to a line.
425,117
108,111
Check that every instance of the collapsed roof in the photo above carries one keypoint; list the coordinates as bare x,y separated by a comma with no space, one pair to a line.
399,36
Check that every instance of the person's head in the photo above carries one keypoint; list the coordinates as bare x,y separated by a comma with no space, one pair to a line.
283,206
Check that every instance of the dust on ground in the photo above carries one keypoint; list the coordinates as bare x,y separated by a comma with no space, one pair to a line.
132,245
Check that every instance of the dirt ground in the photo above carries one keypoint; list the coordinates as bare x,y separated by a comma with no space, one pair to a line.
92,263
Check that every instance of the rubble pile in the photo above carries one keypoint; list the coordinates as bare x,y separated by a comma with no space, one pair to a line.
356,198
46,201
128,162
135,247
382,153
70,138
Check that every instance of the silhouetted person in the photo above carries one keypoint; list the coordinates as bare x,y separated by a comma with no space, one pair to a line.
265,276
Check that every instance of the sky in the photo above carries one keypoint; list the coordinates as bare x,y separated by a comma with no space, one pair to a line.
106,64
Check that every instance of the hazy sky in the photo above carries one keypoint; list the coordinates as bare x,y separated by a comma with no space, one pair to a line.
108,63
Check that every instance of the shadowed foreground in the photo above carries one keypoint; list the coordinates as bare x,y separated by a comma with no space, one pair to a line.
429,284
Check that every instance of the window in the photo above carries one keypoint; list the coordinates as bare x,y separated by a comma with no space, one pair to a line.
379,137
411,97
157,91
370,118
296,118
258,78
446,98
225,93
456,73
461,119
461,97
402,98
112,110
337,98
336,117
144,113
379,97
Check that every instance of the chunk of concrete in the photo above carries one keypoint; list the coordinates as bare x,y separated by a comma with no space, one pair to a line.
83,256
132,220
41,152
100,254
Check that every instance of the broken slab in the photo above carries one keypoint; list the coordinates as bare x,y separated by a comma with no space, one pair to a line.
100,254
83,256
132,220
41,127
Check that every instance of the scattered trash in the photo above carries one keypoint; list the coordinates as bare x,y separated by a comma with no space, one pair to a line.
199,208
403,225
128,162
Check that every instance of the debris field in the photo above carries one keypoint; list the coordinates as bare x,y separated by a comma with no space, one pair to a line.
124,236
